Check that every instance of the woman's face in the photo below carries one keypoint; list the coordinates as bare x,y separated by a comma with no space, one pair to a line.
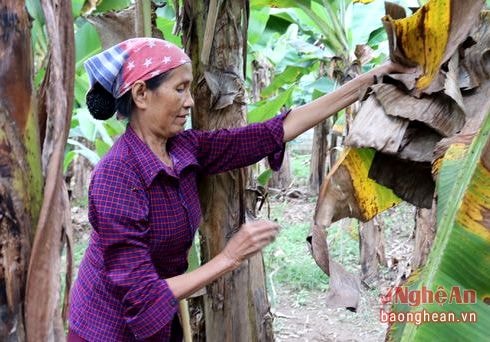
169,105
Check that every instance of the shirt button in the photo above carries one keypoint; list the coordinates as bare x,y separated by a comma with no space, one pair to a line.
173,301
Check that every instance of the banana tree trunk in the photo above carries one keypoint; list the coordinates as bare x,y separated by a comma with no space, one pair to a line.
372,250
319,152
215,36
261,77
42,304
20,166
425,232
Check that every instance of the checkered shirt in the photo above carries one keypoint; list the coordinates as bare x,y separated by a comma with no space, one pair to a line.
144,216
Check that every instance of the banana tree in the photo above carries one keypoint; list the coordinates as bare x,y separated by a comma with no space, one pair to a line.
215,35
461,168
21,178
282,50
35,214
442,102
463,238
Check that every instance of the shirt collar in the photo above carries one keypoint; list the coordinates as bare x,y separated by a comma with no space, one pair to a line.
150,165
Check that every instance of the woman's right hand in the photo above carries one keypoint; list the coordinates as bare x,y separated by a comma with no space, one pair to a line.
251,238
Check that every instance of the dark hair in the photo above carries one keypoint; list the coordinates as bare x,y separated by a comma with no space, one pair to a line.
102,105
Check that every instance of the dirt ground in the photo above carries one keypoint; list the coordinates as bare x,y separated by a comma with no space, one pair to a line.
314,321
305,316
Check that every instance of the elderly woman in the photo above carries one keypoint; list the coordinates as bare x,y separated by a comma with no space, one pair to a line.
143,198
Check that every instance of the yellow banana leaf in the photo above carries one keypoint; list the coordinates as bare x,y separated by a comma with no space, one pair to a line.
459,262
372,197
425,48
431,35
349,178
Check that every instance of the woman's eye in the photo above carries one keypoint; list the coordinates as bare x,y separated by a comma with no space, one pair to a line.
181,89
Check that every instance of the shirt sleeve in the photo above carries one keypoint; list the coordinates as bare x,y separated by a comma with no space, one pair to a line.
227,149
121,209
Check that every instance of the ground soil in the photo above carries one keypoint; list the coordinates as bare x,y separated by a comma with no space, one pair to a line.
314,321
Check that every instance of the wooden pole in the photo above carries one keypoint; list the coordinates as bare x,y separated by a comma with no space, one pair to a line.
185,320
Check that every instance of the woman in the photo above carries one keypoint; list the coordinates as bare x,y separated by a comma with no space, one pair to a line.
143,199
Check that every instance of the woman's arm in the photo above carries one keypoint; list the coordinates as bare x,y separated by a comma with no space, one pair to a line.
250,239
309,115
223,150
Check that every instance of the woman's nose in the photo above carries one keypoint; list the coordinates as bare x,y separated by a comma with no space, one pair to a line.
189,101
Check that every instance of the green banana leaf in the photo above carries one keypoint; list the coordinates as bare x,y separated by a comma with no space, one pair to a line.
460,257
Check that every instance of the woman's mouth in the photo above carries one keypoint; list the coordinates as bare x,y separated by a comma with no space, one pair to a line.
182,119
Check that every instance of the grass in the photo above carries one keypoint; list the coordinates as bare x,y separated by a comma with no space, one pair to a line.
300,167
288,260
78,251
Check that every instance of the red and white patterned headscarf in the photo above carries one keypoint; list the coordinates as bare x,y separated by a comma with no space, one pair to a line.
118,67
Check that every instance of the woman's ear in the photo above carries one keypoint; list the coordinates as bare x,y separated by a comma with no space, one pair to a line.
139,91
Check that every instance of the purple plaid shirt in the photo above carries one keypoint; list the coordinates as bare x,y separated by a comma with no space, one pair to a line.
144,216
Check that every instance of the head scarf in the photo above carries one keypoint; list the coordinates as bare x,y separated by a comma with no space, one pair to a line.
118,67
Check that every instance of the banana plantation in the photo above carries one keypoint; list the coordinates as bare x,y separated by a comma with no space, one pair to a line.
421,137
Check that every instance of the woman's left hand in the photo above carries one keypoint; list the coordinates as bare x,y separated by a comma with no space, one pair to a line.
251,238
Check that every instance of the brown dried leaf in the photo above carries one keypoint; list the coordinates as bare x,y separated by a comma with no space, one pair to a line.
114,27
407,80
317,240
394,10
418,143
436,112
336,199
436,86
451,85
373,128
467,78
477,106
226,88
465,16
363,53
344,289
476,60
